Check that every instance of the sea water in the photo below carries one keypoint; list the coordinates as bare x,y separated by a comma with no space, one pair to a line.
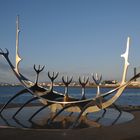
130,96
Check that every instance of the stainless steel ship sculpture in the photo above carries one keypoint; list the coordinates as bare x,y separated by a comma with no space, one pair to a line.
59,102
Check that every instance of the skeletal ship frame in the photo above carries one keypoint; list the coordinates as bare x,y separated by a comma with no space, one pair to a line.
59,102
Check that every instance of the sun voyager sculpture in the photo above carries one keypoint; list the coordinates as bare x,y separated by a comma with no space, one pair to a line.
58,103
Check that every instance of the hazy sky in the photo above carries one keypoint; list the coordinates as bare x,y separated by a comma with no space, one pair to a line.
74,37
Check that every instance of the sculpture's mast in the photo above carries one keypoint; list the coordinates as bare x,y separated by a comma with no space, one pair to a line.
18,59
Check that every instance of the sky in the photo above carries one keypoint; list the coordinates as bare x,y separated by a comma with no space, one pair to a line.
72,37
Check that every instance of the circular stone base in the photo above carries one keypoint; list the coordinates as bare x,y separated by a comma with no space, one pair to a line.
63,121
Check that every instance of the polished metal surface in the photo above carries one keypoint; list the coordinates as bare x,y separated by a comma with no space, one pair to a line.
63,101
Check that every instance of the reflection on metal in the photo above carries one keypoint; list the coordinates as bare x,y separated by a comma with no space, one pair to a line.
65,102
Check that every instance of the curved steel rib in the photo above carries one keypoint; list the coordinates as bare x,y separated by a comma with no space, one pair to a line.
32,99
39,110
92,101
48,94
59,112
36,88
5,105
66,97
118,89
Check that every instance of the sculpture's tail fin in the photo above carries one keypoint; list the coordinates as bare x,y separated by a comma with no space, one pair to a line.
126,63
